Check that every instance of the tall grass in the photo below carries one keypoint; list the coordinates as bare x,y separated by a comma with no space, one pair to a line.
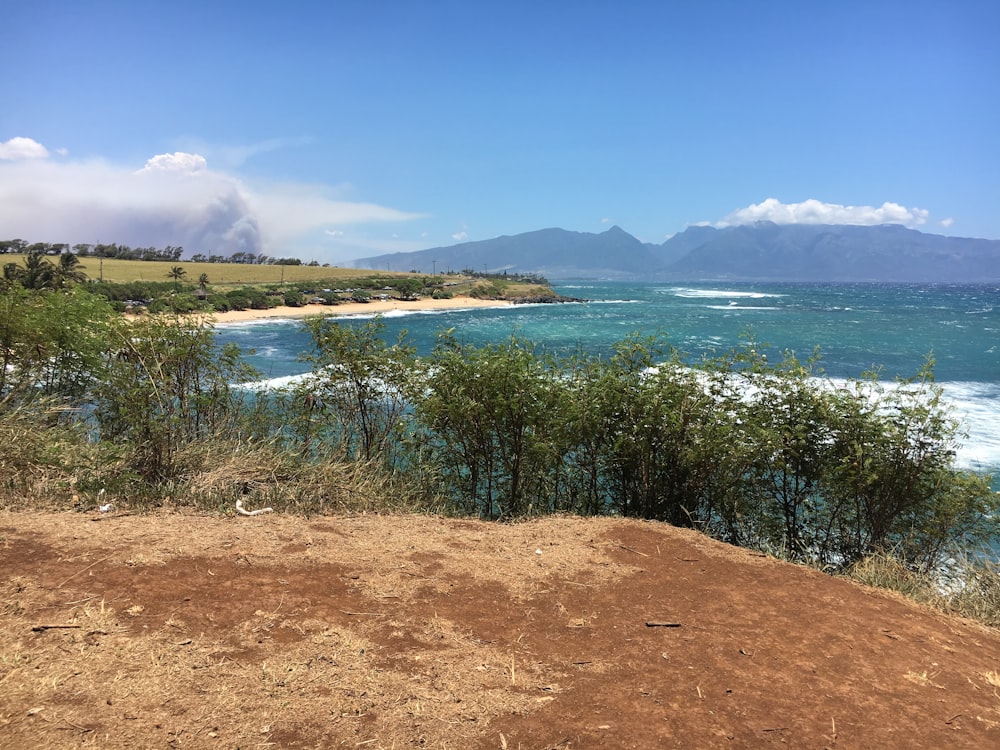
40,453
56,468
967,586
269,474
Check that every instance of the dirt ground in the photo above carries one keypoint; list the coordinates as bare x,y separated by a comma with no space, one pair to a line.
177,630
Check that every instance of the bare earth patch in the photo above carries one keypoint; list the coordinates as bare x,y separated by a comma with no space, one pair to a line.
189,631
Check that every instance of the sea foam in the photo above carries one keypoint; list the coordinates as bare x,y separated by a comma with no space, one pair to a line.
716,293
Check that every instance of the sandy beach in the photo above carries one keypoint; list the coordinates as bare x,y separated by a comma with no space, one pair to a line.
357,308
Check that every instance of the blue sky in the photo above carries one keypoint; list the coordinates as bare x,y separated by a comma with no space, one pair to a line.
335,130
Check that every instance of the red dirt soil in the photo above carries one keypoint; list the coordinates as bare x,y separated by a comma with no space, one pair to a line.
178,630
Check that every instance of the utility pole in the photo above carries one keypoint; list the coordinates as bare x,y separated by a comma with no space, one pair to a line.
434,265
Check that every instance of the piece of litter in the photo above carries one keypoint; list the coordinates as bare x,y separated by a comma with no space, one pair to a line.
105,508
538,552
243,512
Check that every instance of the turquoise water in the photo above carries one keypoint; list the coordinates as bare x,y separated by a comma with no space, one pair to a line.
856,326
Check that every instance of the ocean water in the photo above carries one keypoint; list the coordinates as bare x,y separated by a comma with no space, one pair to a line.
857,327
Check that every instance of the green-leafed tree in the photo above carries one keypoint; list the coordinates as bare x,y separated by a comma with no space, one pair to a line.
669,447
489,423
359,389
39,273
166,385
837,472
51,343
895,486
68,271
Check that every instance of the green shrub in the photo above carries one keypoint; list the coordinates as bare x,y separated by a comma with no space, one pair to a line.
165,384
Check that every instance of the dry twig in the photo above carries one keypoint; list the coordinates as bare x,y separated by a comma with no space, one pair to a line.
41,628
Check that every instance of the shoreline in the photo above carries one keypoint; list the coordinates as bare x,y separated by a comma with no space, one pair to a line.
357,308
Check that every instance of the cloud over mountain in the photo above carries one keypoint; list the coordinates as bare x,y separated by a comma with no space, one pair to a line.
816,212
174,199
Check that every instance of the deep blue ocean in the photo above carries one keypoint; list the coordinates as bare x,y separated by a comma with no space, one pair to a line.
857,327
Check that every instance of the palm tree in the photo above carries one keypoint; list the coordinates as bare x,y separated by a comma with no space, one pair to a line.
203,281
38,271
68,271
176,273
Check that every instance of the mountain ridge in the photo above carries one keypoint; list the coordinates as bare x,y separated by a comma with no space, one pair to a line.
763,251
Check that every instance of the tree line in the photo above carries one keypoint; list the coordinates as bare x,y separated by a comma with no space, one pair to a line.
768,455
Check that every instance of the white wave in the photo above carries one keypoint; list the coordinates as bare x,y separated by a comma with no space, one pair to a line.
974,405
741,307
394,313
256,322
977,408
385,314
716,293
275,384
310,380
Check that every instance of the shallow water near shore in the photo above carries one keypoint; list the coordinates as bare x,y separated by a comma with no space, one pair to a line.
857,328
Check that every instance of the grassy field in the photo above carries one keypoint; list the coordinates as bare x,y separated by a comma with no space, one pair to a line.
123,271
222,275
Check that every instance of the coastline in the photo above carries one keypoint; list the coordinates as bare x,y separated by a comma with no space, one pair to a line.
357,308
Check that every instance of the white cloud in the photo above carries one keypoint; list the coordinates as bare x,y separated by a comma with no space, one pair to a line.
947,222
816,212
460,236
174,199
176,162
19,148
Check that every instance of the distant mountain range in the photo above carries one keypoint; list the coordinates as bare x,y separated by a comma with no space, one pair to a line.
756,252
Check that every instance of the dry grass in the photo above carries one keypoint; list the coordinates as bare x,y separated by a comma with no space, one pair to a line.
886,572
309,649
44,464
36,453
124,271
264,474
184,629
969,587
976,594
